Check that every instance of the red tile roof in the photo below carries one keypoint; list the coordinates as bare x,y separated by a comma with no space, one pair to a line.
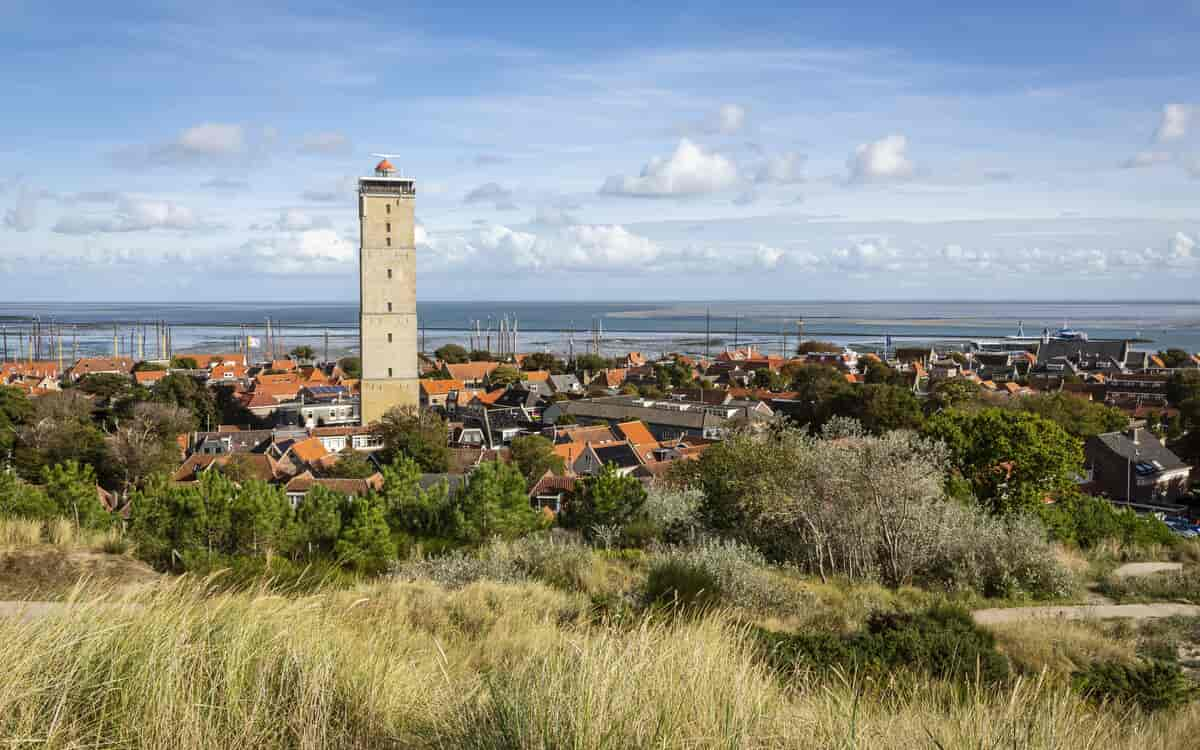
433,387
635,432
471,371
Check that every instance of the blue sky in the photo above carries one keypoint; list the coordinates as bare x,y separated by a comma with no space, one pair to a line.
174,151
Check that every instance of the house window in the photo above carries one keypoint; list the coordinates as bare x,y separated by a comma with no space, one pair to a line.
389,338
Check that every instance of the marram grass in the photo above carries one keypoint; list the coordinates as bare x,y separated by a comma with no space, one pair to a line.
486,666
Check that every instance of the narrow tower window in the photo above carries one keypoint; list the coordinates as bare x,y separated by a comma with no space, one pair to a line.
389,241
389,227
389,372
389,273
389,338
388,206
389,307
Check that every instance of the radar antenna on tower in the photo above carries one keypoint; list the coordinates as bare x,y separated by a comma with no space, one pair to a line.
386,162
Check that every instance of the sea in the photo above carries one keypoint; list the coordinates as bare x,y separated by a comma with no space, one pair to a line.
562,327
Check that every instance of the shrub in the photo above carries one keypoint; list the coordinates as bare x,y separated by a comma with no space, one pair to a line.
1001,557
456,570
678,582
560,562
1174,586
724,571
943,641
1151,686
1089,521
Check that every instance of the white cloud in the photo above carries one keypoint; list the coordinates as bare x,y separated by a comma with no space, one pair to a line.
130,215
730,119
212,139
882,160
200,145
315,251
746,198
1174,125
1147,159
554,216
491,192
782,169
690,170
1180,247
23,215
328,144
293,220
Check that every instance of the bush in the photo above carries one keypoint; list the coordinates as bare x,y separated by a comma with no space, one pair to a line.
714,572
1151,686
999,557
1087,521
456,570
683,584
1171,586
943,641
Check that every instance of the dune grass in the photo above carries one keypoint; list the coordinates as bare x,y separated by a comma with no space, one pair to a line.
483,666
19,533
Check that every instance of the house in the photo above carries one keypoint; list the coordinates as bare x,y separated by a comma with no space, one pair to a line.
435,392
470,373
307,452
28,369
301,484
551,492
148,378
567,384
100,366
1135,466
612,378
338,439
666,419
621,455
226,374
222,442
316,409
255,465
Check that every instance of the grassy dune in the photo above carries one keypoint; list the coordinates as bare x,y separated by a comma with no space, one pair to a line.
485,666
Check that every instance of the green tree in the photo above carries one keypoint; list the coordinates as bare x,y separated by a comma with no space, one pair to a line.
184,363
817,347
673,374
144,366
169,521
318,521
19,499
534,455
591,363
544,361
410,510
503,376
104,385
607,498
351,366
952,393
878,372
880,408
1080,417
351,464
71,487
60,429
365,542
773,380
452,354
1182,386
14,410
481,355
1012,459
1175,358
184,391
303,352
421,434
260,519
495,503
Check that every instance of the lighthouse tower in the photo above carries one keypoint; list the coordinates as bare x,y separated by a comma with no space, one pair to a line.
387,291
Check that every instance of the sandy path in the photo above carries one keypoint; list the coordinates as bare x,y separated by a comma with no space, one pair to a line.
1085,612
1129,570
